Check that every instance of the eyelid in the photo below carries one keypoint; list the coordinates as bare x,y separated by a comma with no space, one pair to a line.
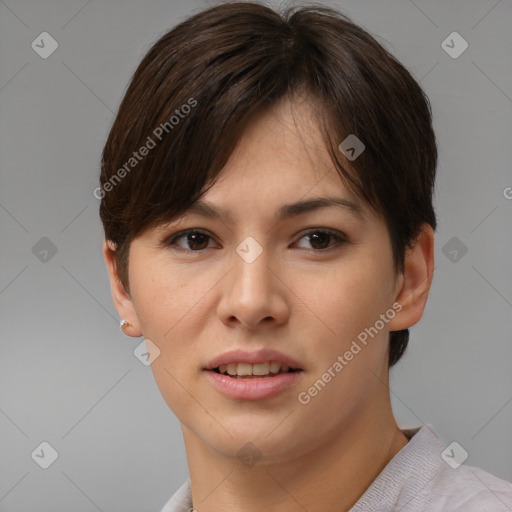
341,238
169,240
328,231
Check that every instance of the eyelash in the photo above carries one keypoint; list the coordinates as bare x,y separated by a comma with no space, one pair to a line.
339,237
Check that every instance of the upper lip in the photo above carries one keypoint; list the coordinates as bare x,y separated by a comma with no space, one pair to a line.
260,356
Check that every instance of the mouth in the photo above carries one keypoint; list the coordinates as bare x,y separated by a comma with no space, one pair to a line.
254,371
253,381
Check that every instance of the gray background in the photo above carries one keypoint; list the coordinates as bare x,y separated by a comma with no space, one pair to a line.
67,374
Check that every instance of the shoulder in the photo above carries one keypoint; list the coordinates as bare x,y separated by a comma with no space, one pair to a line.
467,489
181,500
452,487
424,477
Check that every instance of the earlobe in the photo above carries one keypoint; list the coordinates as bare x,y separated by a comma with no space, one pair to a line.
415,281
122,300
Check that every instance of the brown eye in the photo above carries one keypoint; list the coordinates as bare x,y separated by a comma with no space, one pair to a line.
319,239
194,240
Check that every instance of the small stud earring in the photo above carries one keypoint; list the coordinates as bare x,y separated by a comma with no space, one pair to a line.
122,323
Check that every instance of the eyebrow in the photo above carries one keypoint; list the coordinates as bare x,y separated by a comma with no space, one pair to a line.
285,211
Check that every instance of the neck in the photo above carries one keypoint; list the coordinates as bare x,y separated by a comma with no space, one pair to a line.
331,478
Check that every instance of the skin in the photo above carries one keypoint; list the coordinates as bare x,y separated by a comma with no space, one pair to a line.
304,302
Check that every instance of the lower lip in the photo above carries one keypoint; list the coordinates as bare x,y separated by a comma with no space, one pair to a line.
253,388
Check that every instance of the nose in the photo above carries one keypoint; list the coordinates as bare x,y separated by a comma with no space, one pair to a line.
254,294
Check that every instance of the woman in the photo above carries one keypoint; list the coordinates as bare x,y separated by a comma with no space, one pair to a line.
266,194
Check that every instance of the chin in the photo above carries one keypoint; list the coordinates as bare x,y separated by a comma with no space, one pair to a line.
266,443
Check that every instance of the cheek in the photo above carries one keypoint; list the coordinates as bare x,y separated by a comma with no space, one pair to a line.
346,301
164,304
170,305
161,295
351,294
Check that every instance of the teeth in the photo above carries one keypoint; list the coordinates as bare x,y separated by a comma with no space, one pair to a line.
246,369
259,369
274,367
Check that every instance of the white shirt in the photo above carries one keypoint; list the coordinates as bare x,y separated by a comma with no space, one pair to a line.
416,479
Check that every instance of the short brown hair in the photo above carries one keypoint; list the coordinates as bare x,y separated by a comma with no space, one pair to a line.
235,59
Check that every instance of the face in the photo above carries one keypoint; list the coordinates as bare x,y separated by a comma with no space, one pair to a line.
306,285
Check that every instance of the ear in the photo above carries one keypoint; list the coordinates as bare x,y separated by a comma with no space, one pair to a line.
122,300
413,285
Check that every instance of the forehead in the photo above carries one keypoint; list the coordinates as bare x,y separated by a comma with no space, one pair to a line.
280,158
279,170
287,210
287,131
